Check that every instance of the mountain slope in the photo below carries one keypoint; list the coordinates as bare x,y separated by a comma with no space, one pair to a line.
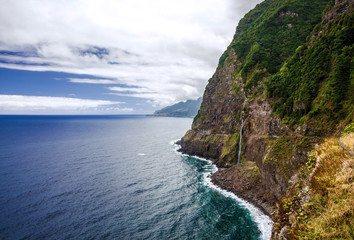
182,109
316,84
282,87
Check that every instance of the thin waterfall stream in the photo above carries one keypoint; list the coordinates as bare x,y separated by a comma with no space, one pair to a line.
240,144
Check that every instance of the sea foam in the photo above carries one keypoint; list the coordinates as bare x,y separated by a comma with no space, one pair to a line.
264,222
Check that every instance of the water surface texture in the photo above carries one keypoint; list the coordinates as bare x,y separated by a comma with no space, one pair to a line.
109,177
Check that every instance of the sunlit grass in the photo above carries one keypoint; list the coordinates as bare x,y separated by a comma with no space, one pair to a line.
348,141
331,214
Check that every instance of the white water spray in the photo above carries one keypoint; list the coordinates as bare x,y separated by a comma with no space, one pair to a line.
264,223
240,144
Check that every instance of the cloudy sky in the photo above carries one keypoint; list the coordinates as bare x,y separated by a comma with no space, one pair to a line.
110,56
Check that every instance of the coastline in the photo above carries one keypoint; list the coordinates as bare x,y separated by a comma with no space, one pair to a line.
244,198
258,212
241,181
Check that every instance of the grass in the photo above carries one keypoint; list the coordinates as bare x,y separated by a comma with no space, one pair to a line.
329,158
332,206
321,204
348,140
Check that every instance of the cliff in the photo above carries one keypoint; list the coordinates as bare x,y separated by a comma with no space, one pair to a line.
282,88
188,108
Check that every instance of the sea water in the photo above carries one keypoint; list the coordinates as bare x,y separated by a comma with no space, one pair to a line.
111,177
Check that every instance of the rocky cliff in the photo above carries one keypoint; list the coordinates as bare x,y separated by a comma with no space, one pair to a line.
282,87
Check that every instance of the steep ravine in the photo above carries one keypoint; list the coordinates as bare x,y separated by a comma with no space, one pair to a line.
277,142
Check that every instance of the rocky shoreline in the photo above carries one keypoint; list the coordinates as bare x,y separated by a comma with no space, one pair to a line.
242,181
233,180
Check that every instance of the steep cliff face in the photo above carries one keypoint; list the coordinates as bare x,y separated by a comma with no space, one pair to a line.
286,80
216,127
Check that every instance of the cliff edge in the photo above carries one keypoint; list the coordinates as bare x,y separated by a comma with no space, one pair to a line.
282,88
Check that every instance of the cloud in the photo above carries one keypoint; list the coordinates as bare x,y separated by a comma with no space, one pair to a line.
130,89
171,48
28,104
91,81
242,7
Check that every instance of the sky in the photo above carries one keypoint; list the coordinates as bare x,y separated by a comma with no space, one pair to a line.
110,56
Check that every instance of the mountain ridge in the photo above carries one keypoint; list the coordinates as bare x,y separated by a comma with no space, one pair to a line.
188,108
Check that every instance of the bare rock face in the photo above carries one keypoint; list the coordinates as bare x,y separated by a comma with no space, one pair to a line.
215,135
215,131
340,7
222,102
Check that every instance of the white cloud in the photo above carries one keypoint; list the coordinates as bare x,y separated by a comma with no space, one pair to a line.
170,48
30,104
130,89
92,81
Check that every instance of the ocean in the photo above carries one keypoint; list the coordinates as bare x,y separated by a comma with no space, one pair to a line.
112,177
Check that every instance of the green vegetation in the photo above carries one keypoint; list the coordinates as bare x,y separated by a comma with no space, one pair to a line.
348,129
196,116
199,118
286,153
317,82
230,149
271,32
255,83
236,87
307,68
250,170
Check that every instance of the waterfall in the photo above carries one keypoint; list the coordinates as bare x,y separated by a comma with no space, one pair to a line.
240,144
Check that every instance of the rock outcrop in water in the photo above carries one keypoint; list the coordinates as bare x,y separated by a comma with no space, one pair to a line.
287,78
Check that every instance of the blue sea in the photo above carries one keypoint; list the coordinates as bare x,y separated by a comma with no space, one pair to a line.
112,177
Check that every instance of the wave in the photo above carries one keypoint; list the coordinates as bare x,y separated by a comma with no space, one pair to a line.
264,222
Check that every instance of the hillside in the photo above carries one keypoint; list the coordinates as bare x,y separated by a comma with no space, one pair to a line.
188,108
284,90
